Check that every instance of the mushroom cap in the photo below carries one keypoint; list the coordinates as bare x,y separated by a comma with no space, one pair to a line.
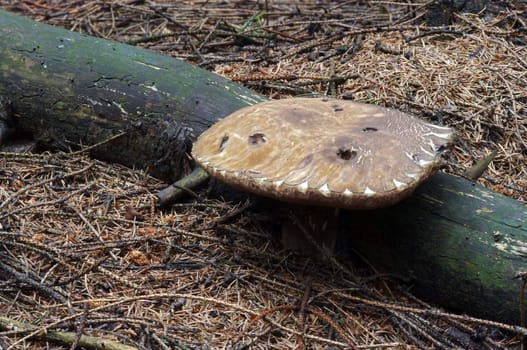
323,152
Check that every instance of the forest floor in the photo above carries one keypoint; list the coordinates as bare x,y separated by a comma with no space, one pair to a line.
228,284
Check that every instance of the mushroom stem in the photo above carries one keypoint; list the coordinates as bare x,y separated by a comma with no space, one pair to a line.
311,230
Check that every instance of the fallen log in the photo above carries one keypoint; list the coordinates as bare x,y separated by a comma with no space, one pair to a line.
70,90
463,245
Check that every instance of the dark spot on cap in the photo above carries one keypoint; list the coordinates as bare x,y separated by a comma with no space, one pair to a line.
337,108
369,129
257,139
223,142
346,153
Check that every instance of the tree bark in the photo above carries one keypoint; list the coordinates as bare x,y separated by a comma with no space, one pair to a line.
461,243
70,90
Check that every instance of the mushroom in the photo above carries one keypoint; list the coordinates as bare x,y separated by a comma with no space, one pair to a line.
323,152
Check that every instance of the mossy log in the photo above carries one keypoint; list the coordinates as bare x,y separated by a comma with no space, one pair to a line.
462,244
70,90
61,337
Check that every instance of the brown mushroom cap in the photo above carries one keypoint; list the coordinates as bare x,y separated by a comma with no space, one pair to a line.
322,152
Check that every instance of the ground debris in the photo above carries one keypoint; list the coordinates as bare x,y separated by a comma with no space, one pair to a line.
72,261
72,258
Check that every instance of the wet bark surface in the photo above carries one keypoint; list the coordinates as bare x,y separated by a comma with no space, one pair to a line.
145,108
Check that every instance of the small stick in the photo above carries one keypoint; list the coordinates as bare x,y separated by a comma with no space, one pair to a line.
64,337
19,276
182,186
434,32
476,170
302,314
89,148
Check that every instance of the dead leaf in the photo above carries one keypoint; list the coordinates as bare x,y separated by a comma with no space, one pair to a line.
132,213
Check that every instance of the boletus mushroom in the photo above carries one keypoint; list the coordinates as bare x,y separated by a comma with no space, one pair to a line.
323,152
